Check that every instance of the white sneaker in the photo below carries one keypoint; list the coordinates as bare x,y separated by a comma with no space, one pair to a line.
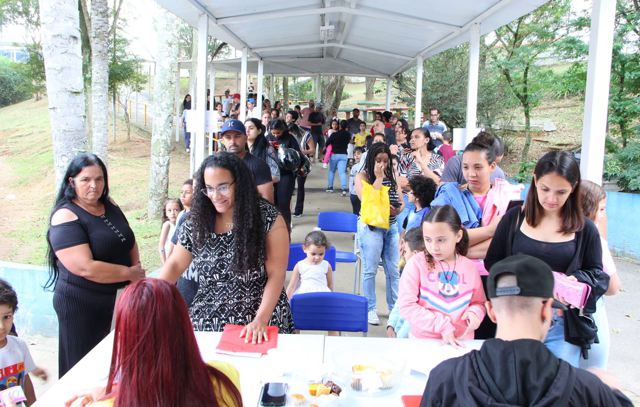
324,165
372,316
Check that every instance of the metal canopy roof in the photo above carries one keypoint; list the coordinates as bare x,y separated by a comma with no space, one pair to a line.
370,38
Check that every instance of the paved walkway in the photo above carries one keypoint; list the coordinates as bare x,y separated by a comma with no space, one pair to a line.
623,309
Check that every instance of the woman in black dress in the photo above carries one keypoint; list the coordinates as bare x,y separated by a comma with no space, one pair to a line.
92,253
239,245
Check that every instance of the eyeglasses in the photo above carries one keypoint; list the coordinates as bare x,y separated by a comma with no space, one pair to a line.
223,189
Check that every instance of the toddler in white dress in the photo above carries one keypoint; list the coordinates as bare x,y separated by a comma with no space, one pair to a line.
314,273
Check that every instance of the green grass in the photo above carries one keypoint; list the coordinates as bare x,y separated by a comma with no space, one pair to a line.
26,160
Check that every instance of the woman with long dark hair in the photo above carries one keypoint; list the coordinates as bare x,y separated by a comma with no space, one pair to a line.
553,228
239,245
377,243
156,360
92,252
260,147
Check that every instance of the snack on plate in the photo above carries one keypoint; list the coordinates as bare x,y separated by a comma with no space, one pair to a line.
371,378
298,399
317,389
335,389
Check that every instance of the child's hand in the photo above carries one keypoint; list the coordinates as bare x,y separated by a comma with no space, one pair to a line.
473,322
391,333
85,398
450,338
40,373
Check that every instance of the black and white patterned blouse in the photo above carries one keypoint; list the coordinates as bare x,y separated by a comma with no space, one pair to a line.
228,296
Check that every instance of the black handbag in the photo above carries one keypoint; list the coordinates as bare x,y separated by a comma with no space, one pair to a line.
580,330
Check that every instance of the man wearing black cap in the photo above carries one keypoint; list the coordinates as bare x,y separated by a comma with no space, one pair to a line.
515,368
234,139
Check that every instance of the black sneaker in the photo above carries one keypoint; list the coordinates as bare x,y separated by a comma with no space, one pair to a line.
330,190
344,192
297,215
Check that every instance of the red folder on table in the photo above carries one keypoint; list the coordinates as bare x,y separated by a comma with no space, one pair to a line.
411,401
232,344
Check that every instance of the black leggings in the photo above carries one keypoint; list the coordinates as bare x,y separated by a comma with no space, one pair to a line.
283,193
300,195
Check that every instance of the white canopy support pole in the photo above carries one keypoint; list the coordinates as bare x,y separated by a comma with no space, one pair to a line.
178,107
243,85
237,82
594,130
212,104
201,86
419,72
472,85
318,91
387,104
259,88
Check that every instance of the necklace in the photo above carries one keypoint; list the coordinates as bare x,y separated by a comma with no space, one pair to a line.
448,273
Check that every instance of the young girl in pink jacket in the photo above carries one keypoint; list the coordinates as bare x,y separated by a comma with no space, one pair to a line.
441,294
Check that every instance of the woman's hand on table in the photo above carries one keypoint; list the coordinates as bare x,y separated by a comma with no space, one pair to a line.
255,332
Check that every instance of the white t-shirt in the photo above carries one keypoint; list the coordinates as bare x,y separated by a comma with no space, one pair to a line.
15,362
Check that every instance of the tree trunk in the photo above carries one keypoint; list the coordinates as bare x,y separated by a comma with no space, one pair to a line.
369,83
194,66
63,71
332,95
100,78
527,132
163,107
285,92
337,97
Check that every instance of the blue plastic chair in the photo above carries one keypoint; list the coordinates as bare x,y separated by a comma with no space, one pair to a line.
330,311
345,222
296,254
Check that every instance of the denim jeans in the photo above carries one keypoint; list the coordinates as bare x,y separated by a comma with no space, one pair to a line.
375,244
599,352
558,346
339,162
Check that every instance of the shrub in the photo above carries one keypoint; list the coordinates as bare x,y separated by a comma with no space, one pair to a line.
13,83
625,165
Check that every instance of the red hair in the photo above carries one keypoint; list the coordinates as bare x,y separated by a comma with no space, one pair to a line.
155,359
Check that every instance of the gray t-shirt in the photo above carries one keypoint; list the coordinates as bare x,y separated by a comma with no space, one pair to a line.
453,171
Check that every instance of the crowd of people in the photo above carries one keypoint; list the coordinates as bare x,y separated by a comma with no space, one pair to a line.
463,258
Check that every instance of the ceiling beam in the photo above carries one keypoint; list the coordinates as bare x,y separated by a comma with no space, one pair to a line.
465,28
331,44
345,31
362,11
216,21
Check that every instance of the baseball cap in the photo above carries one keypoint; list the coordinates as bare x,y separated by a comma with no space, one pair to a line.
236,95
533,278
233,125
251,100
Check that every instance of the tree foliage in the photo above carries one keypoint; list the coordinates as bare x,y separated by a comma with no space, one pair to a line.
444,86
13,83
517,48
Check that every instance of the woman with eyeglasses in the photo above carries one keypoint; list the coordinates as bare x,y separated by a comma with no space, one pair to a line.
239,245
